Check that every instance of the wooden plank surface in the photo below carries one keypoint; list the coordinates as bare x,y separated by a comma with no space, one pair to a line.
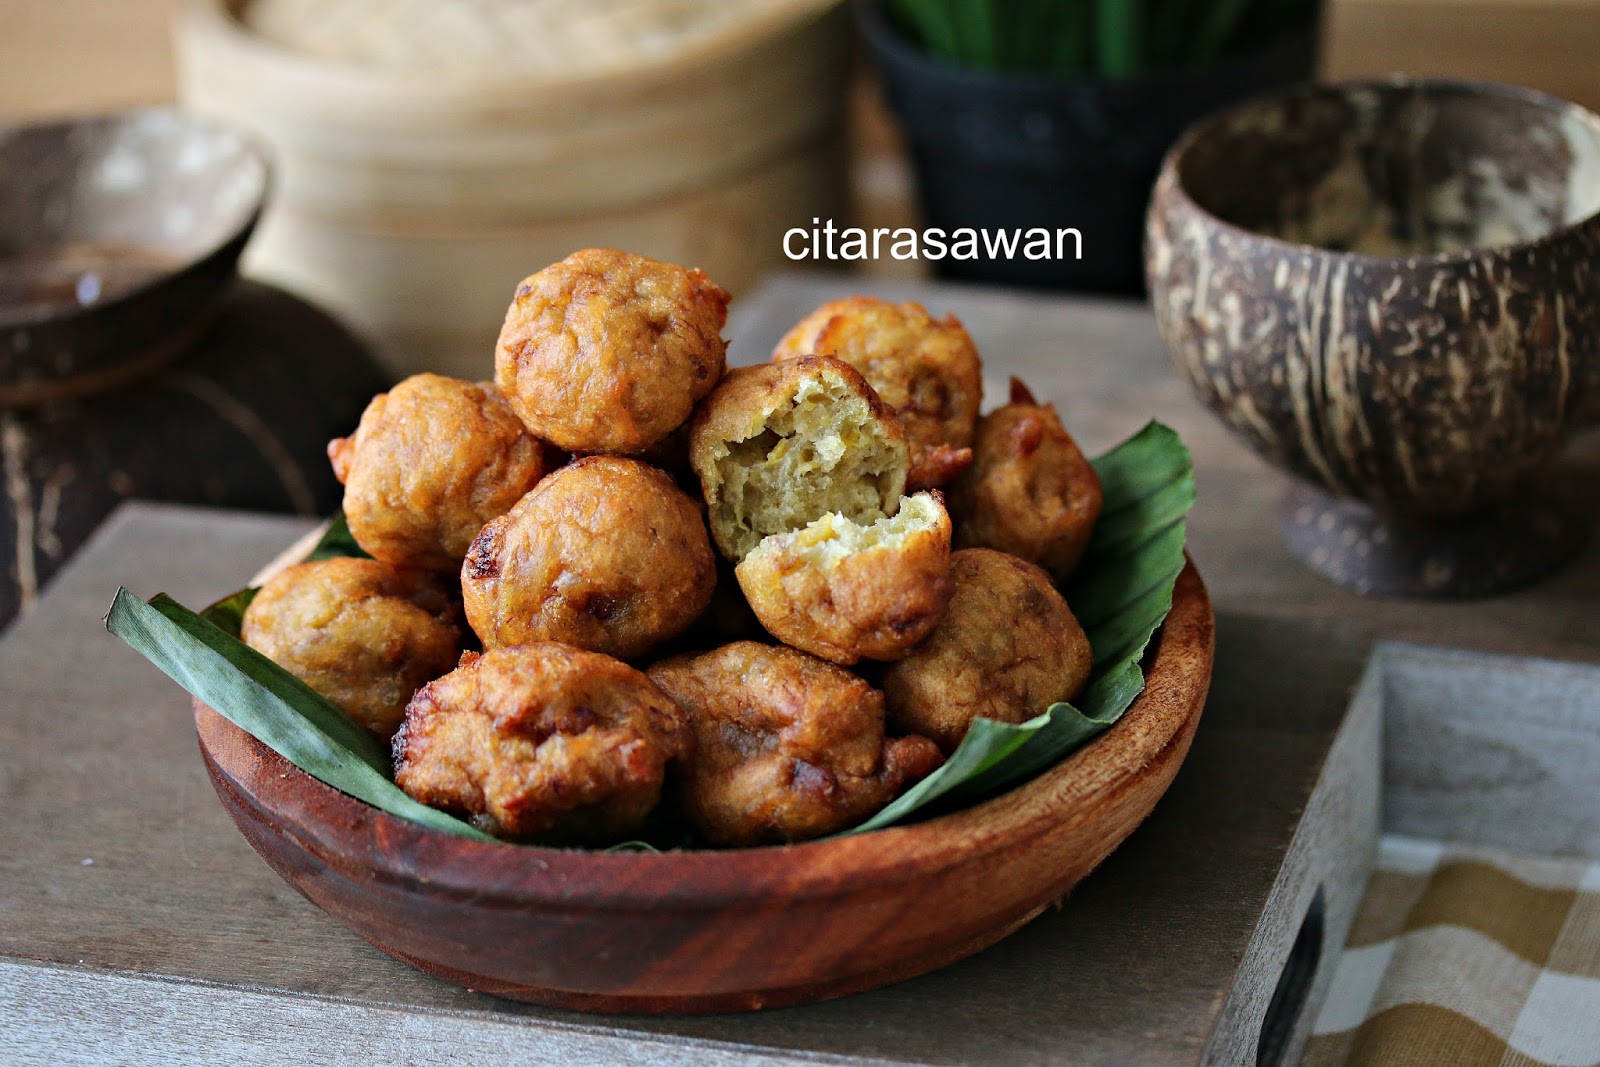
98,764
1496,750
78,57
1544,44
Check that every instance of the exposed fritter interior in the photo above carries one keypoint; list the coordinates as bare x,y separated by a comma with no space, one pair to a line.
823,451
848,591
833,537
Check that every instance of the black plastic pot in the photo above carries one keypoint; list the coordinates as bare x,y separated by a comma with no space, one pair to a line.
1002,151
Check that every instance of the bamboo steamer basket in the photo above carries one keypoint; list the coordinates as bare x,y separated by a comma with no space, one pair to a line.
411,201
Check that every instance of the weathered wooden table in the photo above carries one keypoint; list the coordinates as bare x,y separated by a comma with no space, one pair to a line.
137,927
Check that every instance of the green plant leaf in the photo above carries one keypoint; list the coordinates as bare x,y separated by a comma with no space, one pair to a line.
1120,33
1109,38
1070,40
930,24
1218,26
631,846
1121,595
977,27
268,702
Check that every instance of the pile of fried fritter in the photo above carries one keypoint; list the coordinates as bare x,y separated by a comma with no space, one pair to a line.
623,585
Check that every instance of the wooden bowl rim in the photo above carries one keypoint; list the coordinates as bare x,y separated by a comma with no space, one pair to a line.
344,828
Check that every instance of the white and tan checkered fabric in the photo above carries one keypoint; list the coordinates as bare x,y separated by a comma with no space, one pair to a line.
1467,956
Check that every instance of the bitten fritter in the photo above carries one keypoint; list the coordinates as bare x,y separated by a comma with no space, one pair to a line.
1007,648
1030,491
432,461
541,740
787,747
360,632
848,592
780,445
606,554
926,370
609,352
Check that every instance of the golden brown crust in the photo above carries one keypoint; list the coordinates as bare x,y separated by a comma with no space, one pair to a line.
1030,492
735,419
606,554
360,632
926,370
609,352
1007,648
727,618
937,465
541,740
875,601
432,461
787,747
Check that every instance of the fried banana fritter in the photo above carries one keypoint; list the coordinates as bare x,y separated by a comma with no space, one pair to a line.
1030,491
606,554
1007,648
432,461
848,592
780,445
926,370
609,352
787,746
727,618
541,740
363,634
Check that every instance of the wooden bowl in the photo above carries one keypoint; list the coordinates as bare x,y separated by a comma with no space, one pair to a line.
1392,291
732,930
119,235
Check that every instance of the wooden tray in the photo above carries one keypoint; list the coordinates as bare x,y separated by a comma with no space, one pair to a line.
1168,953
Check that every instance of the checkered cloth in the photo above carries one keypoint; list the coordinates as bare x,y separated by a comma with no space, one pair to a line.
1468,956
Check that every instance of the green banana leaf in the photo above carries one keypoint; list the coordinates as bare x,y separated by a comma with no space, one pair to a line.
1121,598
274,706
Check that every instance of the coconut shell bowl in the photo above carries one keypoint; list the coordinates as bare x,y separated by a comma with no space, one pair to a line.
119,236
733,930
1391,290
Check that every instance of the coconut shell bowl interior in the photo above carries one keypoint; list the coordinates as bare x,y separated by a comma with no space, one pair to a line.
119,235
1391,290
731,930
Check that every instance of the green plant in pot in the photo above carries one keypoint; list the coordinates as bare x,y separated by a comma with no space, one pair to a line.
1055,114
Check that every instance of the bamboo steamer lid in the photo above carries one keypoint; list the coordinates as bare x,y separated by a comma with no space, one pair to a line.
424,170
550,39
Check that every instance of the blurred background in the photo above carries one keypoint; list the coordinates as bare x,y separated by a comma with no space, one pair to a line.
424,155
61,58
429,152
